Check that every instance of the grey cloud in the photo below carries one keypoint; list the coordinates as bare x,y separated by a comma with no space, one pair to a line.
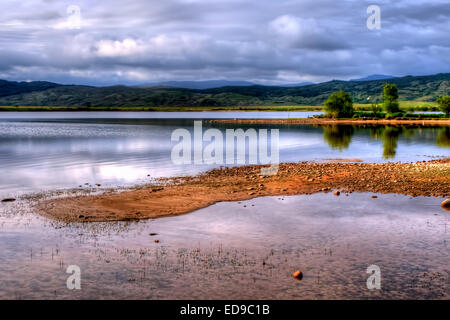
141,40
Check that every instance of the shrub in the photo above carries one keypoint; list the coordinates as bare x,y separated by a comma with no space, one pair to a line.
375,108
339,105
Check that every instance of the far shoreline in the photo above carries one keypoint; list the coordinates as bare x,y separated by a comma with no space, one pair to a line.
328,121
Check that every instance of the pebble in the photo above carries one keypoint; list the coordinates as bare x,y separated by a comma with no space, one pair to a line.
298,275
446,204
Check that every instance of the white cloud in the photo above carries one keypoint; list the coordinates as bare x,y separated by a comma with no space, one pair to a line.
109,48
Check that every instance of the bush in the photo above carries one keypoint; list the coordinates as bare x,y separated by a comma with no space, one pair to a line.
339,105
444,104
375,108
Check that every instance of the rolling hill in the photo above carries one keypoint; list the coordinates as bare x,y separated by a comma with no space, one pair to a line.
414,88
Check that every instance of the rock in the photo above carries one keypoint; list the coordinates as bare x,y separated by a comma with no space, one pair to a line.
9,200
374,197
251,193
156,241
298,275
250,188
80,216
446,204
152,234
337,193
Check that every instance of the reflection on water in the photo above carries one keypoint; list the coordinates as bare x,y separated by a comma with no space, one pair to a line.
40,154
390,137
443,137
338,137
246,250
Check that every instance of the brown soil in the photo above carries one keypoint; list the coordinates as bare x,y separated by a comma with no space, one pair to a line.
186,194
442,122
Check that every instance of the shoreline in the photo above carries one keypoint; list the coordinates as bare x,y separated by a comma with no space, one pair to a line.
315,121
287,109
181,195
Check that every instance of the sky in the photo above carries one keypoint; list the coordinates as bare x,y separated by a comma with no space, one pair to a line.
266,41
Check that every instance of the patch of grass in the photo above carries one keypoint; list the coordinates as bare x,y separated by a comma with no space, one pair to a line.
366,115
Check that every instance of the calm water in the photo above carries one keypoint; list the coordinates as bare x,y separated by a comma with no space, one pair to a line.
242,250
246,250
47,151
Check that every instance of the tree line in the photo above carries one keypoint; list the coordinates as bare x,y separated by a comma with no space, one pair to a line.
340,105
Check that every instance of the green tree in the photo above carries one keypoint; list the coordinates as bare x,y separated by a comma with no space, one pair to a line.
390,98
444,104
339,105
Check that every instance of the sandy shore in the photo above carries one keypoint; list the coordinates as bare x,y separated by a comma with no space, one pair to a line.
318,121
185,194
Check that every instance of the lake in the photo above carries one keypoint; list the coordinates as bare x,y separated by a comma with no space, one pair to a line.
48,151
233,250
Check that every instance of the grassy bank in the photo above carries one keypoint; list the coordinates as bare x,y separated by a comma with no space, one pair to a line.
407,106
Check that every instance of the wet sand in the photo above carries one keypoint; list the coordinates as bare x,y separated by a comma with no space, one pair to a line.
181,195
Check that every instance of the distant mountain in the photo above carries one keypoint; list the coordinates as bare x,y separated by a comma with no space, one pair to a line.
418,88
374,77
208,84
8,88
211,84
290,85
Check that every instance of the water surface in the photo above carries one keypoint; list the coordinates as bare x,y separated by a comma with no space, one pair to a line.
238,250
48,151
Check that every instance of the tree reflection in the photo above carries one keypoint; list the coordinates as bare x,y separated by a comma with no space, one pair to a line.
443,137
338,136
390,137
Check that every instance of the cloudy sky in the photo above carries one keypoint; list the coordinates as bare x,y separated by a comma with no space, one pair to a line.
283,41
